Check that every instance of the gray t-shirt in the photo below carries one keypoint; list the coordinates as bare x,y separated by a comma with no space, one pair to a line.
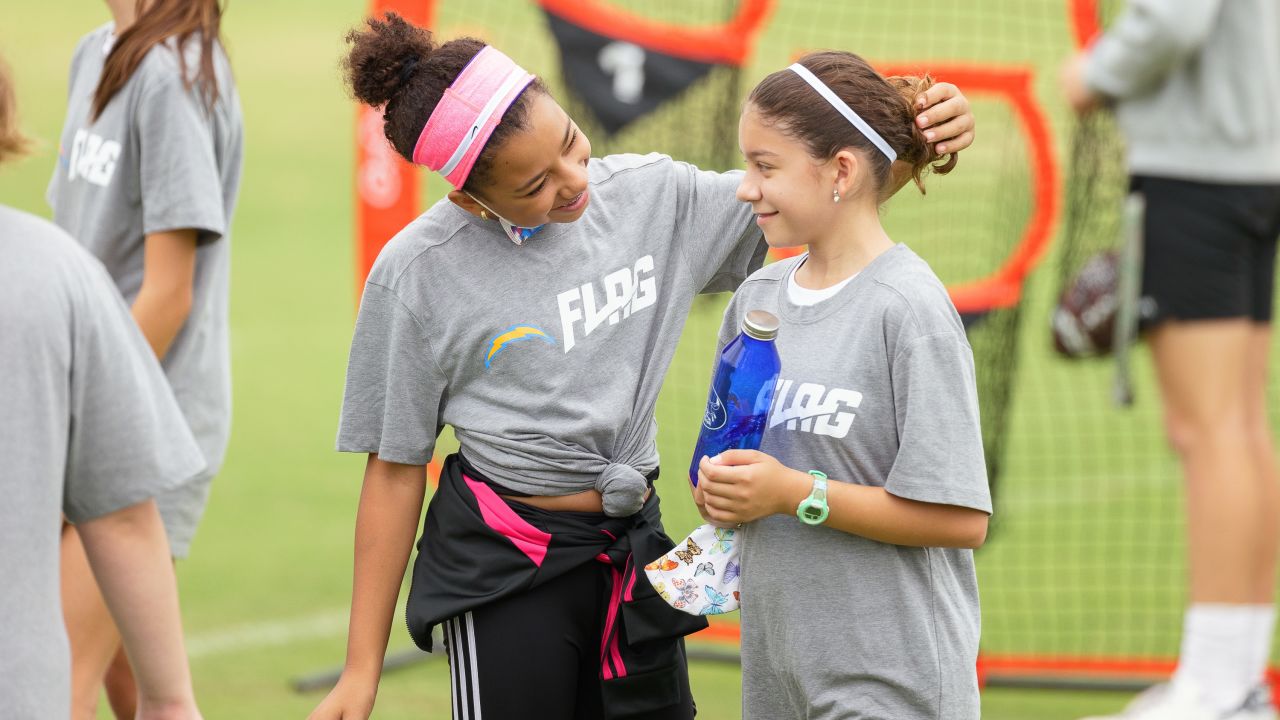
155,160
89,427
877,388
546,358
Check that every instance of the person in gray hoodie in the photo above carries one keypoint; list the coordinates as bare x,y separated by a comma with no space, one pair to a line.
1195,85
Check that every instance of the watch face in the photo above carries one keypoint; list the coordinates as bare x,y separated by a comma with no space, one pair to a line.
813,509
811,512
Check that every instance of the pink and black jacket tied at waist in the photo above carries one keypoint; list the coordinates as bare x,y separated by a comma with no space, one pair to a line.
476,548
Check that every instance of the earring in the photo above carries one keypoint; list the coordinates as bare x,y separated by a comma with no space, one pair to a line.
835,195
484,214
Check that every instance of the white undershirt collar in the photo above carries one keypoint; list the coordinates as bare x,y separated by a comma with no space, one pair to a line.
804,296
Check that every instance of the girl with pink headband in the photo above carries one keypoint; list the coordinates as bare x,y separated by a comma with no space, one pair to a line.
535,310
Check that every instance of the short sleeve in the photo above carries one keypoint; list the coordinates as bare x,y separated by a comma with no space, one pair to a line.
128,440
940,457
721,244
180,183
395,388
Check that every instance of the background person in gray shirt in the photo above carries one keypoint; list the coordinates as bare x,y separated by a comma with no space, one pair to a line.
544,350
1195,85
147,176
90,432
859,601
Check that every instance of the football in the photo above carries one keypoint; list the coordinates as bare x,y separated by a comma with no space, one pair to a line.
1085,316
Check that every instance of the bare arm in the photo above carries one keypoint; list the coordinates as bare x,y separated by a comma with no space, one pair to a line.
129,554
168,282
386,523
874,513
748,485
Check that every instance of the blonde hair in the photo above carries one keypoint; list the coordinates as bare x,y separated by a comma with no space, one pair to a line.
12,142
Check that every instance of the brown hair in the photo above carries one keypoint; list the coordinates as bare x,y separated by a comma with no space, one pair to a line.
12,141
887,105
156,23
397,66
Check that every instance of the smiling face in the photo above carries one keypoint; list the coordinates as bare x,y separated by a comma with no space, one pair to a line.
790,191
540,174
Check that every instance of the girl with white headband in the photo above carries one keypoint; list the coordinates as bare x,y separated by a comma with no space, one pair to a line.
535,310
869,491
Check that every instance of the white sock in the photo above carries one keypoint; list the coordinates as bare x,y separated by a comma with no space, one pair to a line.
1264,627
1218,653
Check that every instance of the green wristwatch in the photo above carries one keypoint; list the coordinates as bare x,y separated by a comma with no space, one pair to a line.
813,509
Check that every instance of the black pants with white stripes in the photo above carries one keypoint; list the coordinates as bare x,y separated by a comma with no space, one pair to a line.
536,655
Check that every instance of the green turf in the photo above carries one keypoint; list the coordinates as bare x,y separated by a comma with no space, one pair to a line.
1084,555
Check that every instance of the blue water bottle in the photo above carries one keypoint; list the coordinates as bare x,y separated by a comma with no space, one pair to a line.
741,391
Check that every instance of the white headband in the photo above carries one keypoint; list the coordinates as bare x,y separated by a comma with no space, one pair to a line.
843,108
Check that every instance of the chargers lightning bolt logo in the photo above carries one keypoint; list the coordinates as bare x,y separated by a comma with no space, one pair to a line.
515,333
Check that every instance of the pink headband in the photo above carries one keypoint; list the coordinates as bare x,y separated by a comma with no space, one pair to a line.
466,116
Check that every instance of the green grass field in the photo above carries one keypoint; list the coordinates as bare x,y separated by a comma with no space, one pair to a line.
1084,555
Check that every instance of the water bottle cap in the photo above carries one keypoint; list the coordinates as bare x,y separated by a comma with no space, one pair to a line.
760,325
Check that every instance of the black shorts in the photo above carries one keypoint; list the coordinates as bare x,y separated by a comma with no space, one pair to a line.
536,655
1209,249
